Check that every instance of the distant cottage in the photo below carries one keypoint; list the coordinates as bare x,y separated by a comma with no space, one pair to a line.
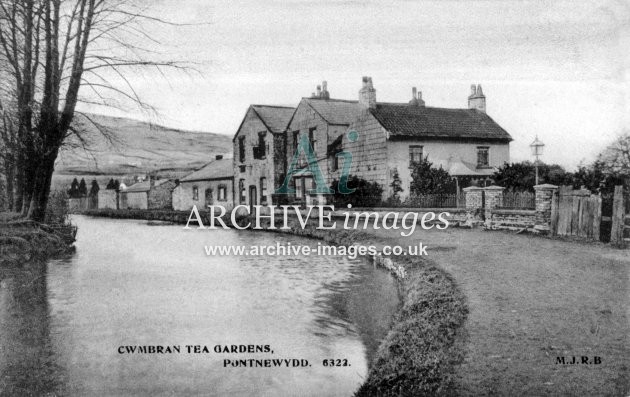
150,194
212,184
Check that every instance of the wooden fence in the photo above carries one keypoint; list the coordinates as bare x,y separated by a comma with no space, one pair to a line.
576,213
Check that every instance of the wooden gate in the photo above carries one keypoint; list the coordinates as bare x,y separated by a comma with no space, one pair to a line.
577,213
620,231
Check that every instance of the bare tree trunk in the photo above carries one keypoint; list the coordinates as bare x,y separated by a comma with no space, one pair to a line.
9,168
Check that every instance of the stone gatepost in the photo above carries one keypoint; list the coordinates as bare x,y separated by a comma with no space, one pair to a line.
544,197
494,198
474,200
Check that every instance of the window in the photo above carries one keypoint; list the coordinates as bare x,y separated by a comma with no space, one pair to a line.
263,190
241,149
311,137
222,193
483,156
259,151
415,155
296,138
299,186
241,190
195,192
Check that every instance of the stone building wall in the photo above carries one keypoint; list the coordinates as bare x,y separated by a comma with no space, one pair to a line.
134,200
183,199
369,152
108,199
160,197
252,170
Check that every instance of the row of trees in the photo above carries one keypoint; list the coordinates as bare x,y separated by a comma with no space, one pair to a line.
51,52
611,168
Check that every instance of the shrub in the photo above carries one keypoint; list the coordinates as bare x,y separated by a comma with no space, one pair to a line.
366,194
57,210
427,179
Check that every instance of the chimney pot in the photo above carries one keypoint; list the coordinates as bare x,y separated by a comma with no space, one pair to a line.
414,91
477,100
367,94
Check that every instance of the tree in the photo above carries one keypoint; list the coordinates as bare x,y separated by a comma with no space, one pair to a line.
82,188
396,186
50,49
615,159
366,193
427,179
522,176
94,188
73,192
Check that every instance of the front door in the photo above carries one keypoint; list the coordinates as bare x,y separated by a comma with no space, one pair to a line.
252,198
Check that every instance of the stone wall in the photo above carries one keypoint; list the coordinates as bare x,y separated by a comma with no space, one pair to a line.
512,219
160,196
107,198
482,203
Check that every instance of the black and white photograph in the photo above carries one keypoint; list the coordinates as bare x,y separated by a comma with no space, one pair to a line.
314,198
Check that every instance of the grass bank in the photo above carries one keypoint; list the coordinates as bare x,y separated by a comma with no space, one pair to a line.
419,353
22,241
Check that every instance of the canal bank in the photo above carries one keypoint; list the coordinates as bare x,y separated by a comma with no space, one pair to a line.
425,342
24,241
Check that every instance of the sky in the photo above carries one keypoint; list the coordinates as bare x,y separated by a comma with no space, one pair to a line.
556,69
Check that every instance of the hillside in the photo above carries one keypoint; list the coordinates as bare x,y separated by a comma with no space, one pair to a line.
133,146
123,148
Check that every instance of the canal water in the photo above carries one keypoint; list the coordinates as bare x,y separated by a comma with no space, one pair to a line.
134,284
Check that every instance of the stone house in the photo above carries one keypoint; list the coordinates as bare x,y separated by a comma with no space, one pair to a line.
150,194
259,153
392,136
212,184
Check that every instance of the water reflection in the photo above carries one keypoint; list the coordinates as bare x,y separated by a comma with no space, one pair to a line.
26,360
133,284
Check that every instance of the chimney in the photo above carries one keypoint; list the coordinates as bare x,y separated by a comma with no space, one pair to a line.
477,100
416,97
219,157
367,94
325,93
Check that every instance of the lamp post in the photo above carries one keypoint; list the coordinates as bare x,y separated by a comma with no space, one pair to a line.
537,151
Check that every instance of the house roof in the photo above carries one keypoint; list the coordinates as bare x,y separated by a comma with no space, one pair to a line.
144,186
336,111
217,169
275,118
459,167
418,121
